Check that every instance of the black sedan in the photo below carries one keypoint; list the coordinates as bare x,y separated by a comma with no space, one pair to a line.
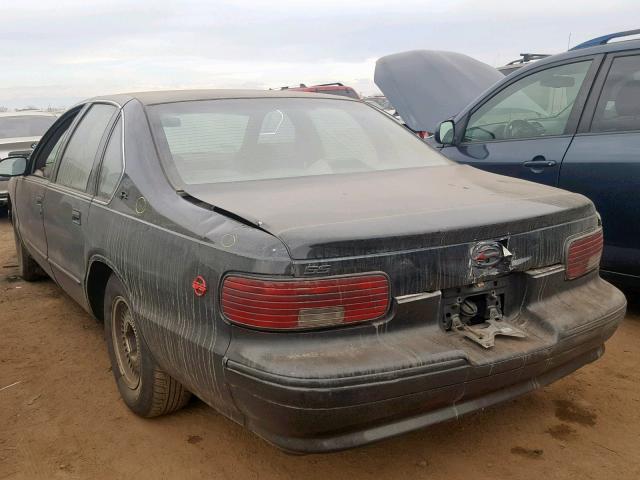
305,265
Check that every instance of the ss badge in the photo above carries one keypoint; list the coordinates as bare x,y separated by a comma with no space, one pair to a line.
317,269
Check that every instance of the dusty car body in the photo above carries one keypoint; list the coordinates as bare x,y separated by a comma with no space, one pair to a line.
18,132
325,279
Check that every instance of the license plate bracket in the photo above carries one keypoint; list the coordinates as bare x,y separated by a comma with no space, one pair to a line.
477,312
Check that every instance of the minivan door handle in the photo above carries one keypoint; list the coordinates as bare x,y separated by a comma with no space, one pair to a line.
39,199
539,163
75,216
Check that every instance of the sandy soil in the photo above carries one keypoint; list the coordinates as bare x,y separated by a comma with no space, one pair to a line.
61,416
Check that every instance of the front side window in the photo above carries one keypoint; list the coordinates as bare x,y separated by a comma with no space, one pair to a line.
535,106
51,145
251,139
78,158
111,168
618,108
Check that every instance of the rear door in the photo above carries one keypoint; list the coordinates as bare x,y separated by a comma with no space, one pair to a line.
69,196
603,162
524,129
28,203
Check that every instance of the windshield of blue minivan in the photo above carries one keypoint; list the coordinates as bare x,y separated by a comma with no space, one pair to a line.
226,140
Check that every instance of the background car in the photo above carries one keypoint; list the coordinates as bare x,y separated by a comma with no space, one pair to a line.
570,120
525,58
381,102
335,88
306,265
18,132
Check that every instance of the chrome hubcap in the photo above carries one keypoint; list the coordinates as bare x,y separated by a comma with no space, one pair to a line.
125,342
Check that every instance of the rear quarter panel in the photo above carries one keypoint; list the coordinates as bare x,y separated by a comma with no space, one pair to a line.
157,243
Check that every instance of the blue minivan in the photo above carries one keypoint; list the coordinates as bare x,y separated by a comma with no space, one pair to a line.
570,120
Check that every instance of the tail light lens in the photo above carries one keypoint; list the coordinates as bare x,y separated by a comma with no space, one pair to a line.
304,304
583,254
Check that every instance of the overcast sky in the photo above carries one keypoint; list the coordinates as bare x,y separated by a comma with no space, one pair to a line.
56,52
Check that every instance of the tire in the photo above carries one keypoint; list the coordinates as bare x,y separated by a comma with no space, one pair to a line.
145,388
28,268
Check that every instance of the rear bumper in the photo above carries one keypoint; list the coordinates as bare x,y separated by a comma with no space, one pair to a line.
303,411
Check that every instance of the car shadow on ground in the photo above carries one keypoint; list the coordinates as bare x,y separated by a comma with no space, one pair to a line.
633,303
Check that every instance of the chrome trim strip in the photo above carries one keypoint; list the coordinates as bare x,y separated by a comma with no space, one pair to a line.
415,297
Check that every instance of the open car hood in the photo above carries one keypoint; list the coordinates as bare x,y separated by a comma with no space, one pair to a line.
428,86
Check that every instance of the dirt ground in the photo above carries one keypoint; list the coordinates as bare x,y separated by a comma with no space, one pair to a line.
61,416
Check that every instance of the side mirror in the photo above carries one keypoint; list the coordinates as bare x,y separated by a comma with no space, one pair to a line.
445,132
12,167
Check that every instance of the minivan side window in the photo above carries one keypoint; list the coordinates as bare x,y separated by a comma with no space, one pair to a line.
538,105
111,163
80,153
618,107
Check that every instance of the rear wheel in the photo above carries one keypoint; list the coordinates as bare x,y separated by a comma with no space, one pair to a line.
28,269
146,389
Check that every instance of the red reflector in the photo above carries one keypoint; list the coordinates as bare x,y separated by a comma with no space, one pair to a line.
303,304
199,286
583,254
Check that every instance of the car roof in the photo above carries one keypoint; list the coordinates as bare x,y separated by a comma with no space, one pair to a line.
619,46
171,96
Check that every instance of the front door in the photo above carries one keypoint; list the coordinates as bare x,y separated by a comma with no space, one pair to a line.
525,129
68,199
31,190
603,162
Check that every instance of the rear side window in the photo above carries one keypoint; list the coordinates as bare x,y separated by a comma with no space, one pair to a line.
538,105
78,158
618,108
111,163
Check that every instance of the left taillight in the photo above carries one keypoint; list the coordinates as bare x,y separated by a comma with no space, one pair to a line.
583,254
292,304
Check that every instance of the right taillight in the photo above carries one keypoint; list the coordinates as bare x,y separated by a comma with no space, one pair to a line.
583,254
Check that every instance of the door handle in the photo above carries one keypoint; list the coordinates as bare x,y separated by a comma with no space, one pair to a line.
539,163
75,216
39,199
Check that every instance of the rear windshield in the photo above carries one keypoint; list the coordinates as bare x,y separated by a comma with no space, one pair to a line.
25,126
216,141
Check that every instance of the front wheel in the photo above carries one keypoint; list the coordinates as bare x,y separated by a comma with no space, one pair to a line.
146,389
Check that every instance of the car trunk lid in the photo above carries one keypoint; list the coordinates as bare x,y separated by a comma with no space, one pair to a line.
375,213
